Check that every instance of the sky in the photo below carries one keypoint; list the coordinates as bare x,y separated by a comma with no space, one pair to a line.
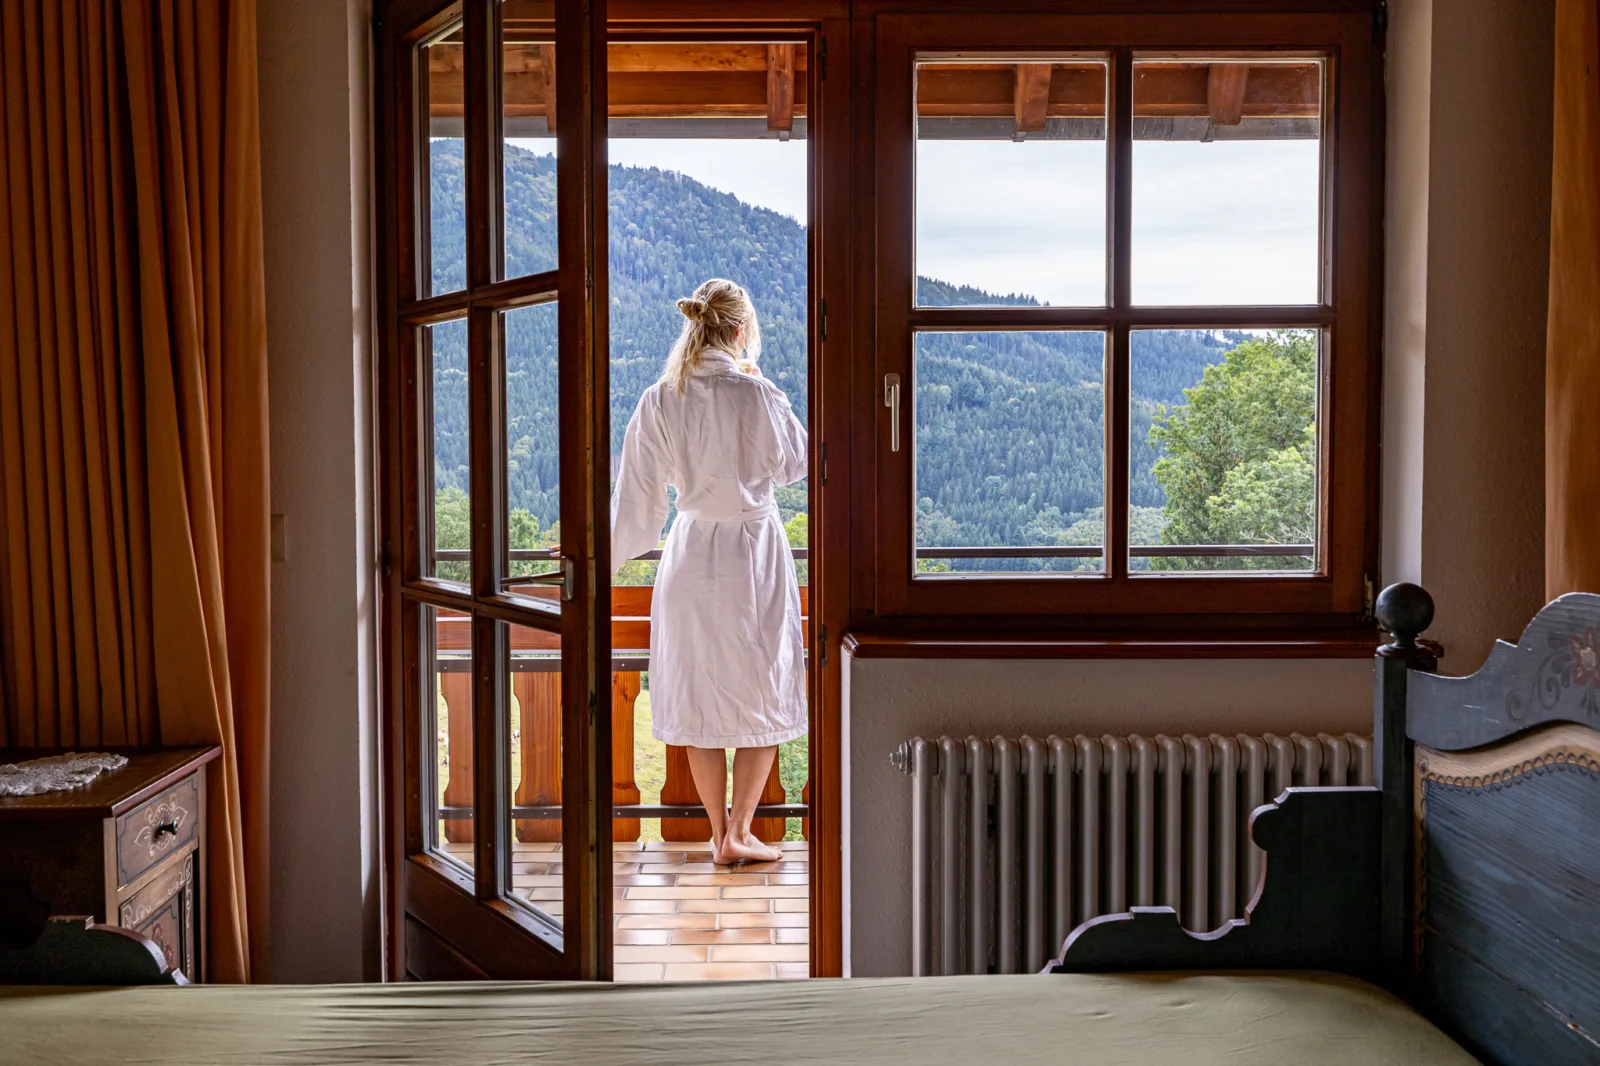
1221,222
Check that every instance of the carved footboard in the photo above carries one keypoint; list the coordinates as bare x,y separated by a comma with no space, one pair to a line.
1317,906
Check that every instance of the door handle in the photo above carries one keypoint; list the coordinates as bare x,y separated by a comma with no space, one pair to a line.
891,400
564,578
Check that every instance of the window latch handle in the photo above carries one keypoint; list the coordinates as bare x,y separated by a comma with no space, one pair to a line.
891,400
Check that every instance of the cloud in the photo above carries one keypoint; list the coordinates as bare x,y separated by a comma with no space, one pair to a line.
1222,222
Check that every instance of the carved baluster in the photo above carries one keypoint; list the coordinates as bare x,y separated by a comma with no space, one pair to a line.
679,788
624,691
805,823
538,696
770,829
456,689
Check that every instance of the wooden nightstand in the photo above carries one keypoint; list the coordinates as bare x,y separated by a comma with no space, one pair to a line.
126,849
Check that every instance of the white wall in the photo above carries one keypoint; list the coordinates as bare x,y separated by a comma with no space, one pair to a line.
315,135
889,701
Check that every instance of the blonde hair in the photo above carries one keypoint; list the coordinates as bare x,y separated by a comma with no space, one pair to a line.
712,319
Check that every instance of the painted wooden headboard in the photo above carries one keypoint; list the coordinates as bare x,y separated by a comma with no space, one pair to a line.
1505,881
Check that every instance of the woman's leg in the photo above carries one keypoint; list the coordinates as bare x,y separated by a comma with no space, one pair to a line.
751,768
709,768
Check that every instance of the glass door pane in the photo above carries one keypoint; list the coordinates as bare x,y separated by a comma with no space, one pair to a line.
442,82
447,732
529,337
528,139
533,797
447,435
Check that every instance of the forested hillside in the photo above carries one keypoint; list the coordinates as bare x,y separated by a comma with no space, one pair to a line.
1009,425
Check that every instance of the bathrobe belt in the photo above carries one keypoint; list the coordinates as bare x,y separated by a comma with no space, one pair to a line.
769,510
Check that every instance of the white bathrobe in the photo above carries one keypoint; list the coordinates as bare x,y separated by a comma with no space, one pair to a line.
727,665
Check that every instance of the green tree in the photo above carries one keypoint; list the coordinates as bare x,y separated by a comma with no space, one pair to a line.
452,529
1236,457
798,530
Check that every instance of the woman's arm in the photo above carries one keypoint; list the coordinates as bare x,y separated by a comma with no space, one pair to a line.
639,500
790,452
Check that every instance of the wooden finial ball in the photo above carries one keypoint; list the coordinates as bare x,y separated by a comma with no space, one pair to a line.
1405,610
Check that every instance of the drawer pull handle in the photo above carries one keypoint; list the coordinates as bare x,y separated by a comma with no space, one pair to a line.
162,829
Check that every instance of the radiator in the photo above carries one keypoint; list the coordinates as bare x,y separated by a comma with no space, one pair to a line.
1016,841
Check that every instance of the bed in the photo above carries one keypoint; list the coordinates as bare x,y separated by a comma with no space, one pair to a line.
1154,1020
1468,881
1445,917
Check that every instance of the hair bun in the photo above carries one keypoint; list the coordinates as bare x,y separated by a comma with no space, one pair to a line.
693,310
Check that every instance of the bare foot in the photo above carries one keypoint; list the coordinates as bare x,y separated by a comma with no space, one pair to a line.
745,848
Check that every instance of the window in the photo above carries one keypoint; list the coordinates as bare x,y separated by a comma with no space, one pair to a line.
1125,325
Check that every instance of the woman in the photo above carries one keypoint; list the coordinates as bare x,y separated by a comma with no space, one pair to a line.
727,665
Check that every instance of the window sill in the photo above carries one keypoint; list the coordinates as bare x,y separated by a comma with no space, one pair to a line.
1338,644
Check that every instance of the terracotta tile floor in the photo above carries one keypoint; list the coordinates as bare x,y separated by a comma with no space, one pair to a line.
679,917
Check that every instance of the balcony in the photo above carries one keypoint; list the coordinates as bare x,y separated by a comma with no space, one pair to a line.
678,915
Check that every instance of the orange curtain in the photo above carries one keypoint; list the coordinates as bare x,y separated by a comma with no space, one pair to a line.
1572,361
133,421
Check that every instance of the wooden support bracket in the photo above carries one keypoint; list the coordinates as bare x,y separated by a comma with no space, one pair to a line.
547,69
1032,96
1225,84
780,87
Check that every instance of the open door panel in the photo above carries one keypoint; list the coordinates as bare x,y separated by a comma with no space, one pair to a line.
497,662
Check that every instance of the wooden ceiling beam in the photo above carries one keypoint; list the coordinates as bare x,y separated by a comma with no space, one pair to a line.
1031,96
522,55
1161,90
725,58
780,87
1225,87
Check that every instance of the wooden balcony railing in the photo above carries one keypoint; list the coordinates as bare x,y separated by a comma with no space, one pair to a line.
536,687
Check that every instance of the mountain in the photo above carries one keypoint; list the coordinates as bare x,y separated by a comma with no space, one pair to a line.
1009,424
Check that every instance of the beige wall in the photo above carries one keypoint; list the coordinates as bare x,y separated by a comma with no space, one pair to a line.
1468,253
315,131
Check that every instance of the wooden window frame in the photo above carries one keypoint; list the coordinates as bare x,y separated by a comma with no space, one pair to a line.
1333,598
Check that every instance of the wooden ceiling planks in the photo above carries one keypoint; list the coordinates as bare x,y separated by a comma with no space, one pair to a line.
709,80
645,81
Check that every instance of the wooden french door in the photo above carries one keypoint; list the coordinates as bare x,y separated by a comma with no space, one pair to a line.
493,368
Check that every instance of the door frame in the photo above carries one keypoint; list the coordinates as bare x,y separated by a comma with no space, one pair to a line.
826,32
834,208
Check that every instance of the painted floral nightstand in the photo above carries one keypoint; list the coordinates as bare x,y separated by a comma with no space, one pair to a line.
126,848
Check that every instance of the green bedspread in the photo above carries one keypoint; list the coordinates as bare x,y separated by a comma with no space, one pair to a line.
1085,1020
